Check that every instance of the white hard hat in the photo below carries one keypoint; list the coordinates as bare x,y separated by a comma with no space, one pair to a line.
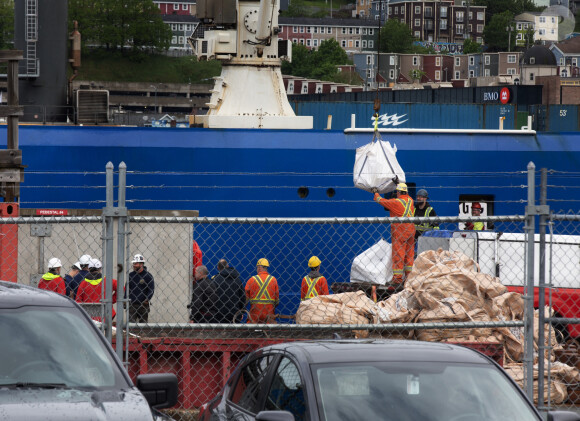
95,263
77,265
85,259
54,263
138,259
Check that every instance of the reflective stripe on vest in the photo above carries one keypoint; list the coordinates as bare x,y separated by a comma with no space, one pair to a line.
425,225
478,226
311,293
94,282
263,296
407,205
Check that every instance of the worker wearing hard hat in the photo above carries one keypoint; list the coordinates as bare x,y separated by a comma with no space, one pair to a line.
262,293
402,235
476,210
424,209
313,284
51,280
80,276
93,287
141,290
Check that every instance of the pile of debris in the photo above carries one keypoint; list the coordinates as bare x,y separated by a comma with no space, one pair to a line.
448,287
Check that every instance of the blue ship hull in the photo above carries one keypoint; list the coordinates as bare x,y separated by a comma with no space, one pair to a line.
257,173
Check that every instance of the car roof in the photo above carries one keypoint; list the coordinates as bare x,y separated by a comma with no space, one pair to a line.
369,350
14,295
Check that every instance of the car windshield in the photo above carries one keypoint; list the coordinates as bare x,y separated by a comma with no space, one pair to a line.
404,391
54,346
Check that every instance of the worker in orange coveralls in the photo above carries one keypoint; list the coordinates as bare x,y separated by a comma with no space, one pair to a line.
51,280
91,288
402,235
263,295
313,284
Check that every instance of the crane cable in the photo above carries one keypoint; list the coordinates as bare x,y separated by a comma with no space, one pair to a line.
377,101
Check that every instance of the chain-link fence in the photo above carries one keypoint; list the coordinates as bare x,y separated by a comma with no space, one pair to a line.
468,287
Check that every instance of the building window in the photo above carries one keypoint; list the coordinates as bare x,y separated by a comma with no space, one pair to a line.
520,37
184,7
291,87
437,74
531,76
377,17
295,40
302,41
369,59
315,29
459,16
480,15
302,29
471,73
457,75
357,31
174,39
437,61
371,43
343,43
308,29
305,88
459,29
315,42
471,60
487,60
511,58
364,43
415,61
295,29
417,34
532,60
574,62
417,10
542,32
377,7
369,73
392,60
479,40
428,12
552,31
357,44
443,11
350,30
181,26
487,73
174,27
470,16
181,40
443,24
417,23
402,11
457,61
542,19
175,6
479,28
371,31
391,74
511,71
397,10
382,6
343,31
308,43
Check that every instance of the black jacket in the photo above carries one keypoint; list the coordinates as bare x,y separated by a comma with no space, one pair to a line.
203,299
231,296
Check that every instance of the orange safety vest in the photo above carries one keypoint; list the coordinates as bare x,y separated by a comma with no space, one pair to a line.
312,292
263,295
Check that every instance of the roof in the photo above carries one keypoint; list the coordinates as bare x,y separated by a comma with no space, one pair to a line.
14,295
542,55
335,351
569,46
180,19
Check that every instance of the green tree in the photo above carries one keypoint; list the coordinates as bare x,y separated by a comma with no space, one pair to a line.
301,62
495,35
471,47
396,37
317,64
495,7
6,23
416,74
116,24
296,9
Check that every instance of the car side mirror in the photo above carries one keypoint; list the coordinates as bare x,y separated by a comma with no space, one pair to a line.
160,389
563,416
274,416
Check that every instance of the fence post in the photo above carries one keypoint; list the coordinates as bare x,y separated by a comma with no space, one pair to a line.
122,320
108,213
529,290
542,286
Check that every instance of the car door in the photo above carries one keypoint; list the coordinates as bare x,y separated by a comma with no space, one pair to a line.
287,391
251,384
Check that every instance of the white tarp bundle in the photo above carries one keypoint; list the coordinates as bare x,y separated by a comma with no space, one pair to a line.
373,265
376,165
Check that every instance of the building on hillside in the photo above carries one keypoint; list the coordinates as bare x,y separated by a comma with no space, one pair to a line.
362,9
182,26
176,7
367,64
440,21
354,35
545,26
524,31
567,55
460,70
508,66
438,68
537,61
410,63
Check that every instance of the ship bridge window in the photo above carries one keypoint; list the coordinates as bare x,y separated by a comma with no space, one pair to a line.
330,192
303,192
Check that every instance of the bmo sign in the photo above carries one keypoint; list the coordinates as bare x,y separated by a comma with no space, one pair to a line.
502,96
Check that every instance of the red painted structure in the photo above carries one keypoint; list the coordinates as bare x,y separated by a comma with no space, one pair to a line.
9,243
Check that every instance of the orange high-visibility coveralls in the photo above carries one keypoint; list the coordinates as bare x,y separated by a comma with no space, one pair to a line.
402,235
313,286
262,292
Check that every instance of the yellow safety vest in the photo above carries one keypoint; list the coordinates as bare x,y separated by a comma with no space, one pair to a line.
311,293
263,296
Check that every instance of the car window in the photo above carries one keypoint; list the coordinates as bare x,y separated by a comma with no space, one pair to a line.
419,391
54,345
249,384
287,390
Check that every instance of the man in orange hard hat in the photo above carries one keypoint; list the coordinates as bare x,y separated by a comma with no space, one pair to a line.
476,210
313,284
402,235
263,295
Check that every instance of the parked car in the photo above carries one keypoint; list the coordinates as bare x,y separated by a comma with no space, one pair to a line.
56,365
371,380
